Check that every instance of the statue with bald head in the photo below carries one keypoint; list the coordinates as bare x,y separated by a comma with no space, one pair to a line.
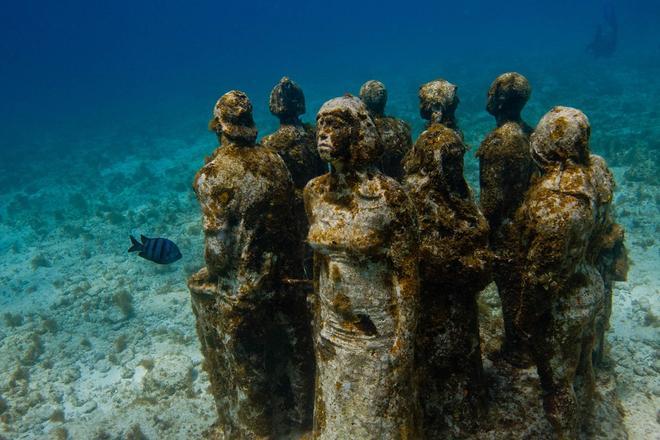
394,132
505,170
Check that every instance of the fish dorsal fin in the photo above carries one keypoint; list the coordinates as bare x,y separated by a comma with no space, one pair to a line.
143,238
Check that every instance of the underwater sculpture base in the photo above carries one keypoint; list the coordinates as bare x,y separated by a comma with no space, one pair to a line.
515,408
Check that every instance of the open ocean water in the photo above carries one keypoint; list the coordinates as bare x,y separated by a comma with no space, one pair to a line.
103,123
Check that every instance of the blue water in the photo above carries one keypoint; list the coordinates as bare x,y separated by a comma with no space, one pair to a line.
103,116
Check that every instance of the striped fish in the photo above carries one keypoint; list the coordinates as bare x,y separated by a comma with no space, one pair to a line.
158,250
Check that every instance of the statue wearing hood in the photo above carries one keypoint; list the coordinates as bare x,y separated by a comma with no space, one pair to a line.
454,268
561,290
253,328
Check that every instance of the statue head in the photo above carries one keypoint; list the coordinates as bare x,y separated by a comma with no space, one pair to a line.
438,155
561,136
438,101
346,134
287,100
374,95
507,96
232,118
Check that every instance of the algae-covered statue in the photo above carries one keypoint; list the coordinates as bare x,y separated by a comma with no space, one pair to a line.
295,142
608,251
562,291
394,132
363,233
454,268
439,104
254,330
505,169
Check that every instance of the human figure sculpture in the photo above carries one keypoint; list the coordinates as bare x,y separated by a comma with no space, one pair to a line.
440,104
363,233
395,133
295,142
505,169
454,268
562,290
608,252
253,328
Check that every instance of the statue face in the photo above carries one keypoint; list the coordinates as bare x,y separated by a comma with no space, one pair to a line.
333,138
493,102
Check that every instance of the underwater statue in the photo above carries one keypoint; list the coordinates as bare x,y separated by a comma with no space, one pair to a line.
608,251
364,236
254,329
295,142
439,104
454,268
395,133
562,290
505,169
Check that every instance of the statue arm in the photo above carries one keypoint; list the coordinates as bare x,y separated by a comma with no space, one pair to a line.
217,242
215,219
404,256
613,258
557,245
491,178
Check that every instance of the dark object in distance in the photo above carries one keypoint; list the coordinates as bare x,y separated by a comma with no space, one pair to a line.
604,42
158,250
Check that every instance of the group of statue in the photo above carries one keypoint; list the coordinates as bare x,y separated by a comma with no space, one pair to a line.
344,264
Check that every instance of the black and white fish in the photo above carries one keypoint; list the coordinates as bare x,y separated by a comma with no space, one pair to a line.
158,250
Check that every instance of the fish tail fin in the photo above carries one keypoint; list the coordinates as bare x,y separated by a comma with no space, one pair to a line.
135,245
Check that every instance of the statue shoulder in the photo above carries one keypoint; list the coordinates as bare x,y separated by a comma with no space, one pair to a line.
510,139
317,185
560,200
492,141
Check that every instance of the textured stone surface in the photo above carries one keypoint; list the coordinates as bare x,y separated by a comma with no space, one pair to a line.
438,102
394,132
397,141
562,290
454,268
505,169
395,314
287,100
507,96
253,328
295,142
363,233
607,251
